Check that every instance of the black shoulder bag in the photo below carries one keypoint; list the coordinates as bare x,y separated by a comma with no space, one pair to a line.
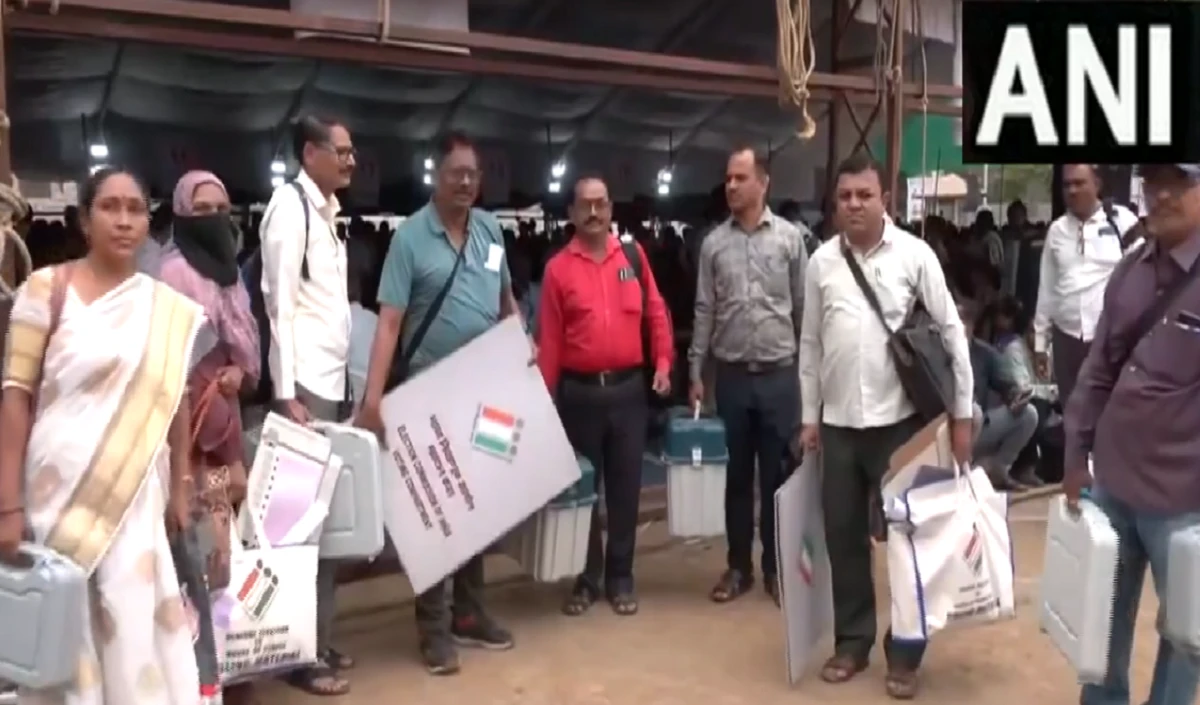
400,368
922,363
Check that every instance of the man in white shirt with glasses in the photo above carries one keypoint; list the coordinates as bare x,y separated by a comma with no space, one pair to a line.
307,302
1082,248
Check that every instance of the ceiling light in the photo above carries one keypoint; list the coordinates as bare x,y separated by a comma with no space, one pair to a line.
428,164
664,176
96,167
428,180
276,181
99,151
558,170
555,186
278,167
664,189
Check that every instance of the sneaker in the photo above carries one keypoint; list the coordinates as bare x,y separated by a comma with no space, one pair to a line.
439,655
478,630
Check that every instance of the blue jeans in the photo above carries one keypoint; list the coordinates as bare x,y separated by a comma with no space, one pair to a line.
1143,540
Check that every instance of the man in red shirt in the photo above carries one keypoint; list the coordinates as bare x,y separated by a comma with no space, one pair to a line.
590,350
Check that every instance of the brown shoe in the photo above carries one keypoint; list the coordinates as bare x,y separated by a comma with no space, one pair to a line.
841,668
901,683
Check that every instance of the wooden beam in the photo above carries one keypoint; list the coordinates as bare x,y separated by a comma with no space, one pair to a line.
197,37
8,266
196,12
692,21
534,15
863,127
895,98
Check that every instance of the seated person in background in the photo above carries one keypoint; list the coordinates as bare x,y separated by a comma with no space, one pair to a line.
1012,337
1004,419
1008,335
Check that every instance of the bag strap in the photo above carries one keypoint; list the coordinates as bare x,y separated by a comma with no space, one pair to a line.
262,228
867,290
436,306
200,411
307,224
630,248
1150,316
1128,237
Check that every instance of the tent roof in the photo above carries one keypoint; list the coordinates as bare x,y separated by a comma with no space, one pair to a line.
141,90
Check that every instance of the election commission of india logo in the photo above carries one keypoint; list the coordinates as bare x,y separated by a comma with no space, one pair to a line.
255,594
496,432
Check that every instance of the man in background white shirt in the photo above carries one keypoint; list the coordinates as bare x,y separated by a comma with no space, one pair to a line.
1081,251
852,405
305,293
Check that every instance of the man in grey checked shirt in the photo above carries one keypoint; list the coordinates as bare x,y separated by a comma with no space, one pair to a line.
749,303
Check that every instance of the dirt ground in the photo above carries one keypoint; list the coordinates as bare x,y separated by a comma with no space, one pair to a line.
682,648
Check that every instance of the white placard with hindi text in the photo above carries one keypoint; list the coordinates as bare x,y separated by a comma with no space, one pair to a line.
806,584
474,446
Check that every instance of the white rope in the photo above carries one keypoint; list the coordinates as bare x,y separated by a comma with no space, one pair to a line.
12,209
385,21
797,59
920,34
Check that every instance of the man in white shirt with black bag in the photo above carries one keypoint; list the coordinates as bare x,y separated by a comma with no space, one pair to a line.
853,407
1082,248
307,306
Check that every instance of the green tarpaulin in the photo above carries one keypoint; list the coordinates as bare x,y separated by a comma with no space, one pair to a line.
942,151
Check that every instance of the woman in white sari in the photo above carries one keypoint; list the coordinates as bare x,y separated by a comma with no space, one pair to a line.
94,377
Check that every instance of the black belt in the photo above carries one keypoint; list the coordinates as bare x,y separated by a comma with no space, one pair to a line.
607,378
761,368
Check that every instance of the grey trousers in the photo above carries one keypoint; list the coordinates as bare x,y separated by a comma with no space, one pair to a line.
1068,355
323,410
853,463
435,611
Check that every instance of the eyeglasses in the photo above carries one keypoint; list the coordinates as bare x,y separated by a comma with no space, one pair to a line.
462,174
344,154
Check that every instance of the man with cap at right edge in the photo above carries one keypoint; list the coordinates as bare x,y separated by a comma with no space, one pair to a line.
1136,411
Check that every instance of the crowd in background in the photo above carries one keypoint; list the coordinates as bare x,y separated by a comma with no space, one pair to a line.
993,264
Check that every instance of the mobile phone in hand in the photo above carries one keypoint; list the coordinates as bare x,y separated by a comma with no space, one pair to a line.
1021,399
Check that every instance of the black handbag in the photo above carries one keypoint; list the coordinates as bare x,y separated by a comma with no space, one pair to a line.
922,362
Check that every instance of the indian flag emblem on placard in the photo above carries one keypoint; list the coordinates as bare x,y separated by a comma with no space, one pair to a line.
806,562
973,553
496,432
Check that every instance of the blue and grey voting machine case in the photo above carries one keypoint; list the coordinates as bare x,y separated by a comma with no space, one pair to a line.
692,440
354,527
42,617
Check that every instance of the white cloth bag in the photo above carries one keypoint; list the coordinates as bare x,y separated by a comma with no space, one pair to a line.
949,554
265,622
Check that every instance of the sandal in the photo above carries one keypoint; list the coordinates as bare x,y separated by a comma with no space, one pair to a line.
901,684
319,680
624,604
337,660
841,668
731,586
582,597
